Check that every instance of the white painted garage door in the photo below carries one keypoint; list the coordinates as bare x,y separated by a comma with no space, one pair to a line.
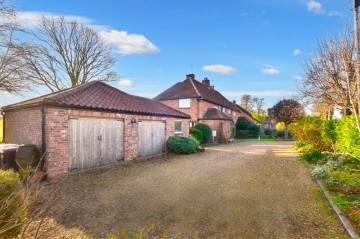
151,138
95,142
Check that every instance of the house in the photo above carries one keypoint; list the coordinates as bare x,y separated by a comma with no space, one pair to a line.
92,125
267,124
204,104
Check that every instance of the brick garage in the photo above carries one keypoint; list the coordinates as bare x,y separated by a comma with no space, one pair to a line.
44,121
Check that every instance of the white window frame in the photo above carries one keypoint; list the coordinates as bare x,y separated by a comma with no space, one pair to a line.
184,103
181,126
234,114
223,109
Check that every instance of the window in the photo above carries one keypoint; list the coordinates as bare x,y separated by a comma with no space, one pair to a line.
223,109
184,103
192,124
234,113
178,126
229,112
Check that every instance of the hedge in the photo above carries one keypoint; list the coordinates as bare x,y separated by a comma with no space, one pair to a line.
182,145
206,132
197,134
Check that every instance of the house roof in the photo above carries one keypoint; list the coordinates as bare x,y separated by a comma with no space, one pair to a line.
100,96
191,88
215,114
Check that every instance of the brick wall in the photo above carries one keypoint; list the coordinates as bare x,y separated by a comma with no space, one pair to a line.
192,111
23,127
222,128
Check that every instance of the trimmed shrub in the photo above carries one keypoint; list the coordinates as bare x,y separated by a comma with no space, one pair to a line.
253,127
12,206
182,145
244,134
197,134
242,123
206,132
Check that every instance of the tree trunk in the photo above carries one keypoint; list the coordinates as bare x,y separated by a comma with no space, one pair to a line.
286,132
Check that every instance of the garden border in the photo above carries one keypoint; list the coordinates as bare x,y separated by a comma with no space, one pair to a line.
345,222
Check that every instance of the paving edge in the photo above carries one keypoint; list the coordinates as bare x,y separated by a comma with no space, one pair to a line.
345,222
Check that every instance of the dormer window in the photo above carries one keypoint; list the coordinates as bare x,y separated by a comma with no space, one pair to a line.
184,103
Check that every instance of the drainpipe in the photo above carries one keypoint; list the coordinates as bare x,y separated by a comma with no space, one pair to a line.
3,129
43,144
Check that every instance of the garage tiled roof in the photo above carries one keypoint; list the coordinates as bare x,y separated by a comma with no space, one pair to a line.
191,88
100,96
215,114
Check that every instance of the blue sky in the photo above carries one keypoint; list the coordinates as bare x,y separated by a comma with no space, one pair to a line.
252,47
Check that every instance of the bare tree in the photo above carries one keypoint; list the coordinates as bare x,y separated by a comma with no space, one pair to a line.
286,111
246,102
66,53
258,104
329,75
11,79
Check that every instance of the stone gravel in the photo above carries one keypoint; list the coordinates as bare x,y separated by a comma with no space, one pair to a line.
238,190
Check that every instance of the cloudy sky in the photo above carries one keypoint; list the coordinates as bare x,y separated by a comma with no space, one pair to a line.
252,47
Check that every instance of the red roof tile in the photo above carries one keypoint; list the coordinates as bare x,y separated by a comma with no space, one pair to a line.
191,88
215,114
100,96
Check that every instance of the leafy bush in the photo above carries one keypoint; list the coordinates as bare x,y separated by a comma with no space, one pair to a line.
253,127
312,130
347,137
206,132
242,123
197,134
244,134
271,132
182,145
281,134
313,156
12,207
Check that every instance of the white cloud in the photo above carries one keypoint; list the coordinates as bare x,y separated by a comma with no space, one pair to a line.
270,71
296,52
126,83
315,7
127,44
268,93
33,19
220,69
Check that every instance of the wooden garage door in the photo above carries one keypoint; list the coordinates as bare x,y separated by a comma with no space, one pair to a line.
151,138
94,142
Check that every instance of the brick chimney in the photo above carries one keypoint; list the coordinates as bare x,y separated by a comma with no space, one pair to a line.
212,87
190,77
206,82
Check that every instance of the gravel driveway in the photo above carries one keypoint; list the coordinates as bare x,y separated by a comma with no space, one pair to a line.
240,190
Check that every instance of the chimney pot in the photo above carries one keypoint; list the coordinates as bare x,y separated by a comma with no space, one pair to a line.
212,87
234,101
206,82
